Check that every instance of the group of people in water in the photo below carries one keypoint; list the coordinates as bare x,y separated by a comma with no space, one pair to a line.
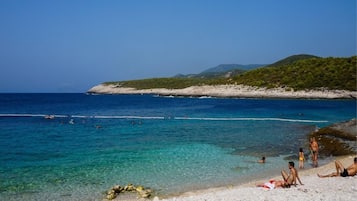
293,177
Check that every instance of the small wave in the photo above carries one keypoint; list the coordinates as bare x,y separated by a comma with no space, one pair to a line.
82,116
168,117
250,119
126,117
33,115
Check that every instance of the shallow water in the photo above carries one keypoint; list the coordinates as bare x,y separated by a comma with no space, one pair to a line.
168,144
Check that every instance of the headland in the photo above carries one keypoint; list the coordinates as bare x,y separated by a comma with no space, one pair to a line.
231,91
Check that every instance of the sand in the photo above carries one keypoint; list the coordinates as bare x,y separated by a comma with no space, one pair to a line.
314,188
239,91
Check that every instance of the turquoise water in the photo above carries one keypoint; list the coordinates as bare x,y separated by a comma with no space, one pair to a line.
171,145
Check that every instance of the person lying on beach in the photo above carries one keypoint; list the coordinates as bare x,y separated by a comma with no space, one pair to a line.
341,171
274,184
293,176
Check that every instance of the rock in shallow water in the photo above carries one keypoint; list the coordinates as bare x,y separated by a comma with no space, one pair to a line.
113,192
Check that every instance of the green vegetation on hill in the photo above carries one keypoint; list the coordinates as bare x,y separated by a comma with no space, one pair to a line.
229,67
222,71
223,74
297,72
329,73
169,83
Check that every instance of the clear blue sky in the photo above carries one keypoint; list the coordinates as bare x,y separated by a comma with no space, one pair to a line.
71,45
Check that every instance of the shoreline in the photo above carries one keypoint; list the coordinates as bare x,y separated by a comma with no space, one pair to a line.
314,188
228,91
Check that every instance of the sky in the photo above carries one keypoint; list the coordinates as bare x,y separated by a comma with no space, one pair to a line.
72,45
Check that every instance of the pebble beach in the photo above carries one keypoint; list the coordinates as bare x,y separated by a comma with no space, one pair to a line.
314,188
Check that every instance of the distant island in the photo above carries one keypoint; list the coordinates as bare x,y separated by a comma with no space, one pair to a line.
297,76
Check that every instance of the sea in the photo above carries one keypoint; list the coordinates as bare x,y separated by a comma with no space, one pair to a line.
76,146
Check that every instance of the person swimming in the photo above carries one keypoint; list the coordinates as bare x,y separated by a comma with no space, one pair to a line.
262,160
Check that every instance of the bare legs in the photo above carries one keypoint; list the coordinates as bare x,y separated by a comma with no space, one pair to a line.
339,170
314,159
301,164
286,177
339,167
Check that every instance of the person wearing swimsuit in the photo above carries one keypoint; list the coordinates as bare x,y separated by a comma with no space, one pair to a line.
315,151
301,159
293,175
341,171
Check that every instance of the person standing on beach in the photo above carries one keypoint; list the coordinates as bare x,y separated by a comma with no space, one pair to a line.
293,175
341,171
301,158
315,151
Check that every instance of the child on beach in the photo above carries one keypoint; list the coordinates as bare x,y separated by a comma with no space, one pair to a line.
301,158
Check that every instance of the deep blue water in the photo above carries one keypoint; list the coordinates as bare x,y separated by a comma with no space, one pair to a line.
168,144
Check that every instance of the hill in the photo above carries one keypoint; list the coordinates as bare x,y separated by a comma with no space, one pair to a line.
297,72
230,67
312,73
222,70
292,59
